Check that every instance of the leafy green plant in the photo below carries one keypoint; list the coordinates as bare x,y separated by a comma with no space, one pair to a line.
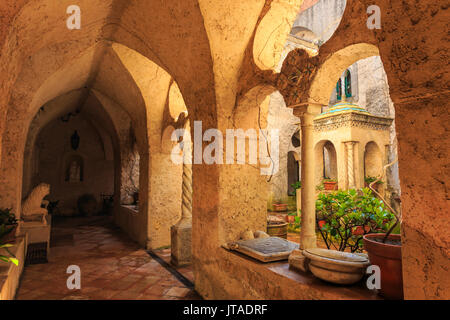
320,187
296,185
295,225
8,222
369,180
340,214
11,258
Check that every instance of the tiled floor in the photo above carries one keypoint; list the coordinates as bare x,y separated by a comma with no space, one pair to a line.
112,267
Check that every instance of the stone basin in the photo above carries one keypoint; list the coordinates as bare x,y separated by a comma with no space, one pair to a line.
336,266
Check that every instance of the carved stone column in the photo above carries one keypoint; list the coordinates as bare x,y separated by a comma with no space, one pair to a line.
181,233
350,164
307,113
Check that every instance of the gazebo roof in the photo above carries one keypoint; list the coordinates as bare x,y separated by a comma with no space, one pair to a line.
342,107
347,114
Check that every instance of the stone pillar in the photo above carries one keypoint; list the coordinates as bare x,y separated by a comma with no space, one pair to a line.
350,164
181,233
308,193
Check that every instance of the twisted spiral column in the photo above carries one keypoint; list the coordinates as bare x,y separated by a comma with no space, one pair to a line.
181,233
186,197
350,166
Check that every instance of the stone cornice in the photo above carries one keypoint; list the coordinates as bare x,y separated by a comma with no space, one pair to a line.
352,119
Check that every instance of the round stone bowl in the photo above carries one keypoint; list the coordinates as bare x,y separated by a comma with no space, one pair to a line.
336,266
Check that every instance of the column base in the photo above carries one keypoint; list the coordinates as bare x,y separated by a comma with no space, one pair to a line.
181,235
298,261
308,242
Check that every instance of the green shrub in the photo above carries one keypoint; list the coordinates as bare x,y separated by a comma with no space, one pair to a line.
295,186
369,180
340,213
8,222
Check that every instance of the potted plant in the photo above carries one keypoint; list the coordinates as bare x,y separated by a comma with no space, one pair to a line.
344,216
330,184
294,226
360,230
290,218
279,206
8,225
385,251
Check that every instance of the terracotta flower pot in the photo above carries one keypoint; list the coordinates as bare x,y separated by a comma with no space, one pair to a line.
322,223
359,231
277,229
290,219
279,207
388,257
330,185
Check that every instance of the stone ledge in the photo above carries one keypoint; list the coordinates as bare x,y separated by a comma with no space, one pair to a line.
10,273
131,208
241,277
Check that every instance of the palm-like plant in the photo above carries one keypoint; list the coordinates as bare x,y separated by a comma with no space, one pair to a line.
11,258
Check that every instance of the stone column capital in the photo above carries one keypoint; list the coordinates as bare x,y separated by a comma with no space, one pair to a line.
302,109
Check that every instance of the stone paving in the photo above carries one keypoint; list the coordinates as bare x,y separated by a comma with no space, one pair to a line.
112,267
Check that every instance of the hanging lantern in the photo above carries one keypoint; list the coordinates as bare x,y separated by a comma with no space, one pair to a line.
75,140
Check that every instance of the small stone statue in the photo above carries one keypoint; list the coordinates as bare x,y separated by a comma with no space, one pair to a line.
32,204
74,173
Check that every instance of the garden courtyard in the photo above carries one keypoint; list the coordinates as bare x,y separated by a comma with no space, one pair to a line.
197,149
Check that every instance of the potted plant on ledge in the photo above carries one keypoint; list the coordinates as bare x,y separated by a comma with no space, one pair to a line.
385,251
279,206
344,216
330,184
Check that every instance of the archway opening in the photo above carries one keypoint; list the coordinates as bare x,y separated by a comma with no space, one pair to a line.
293,170
326,167
373,160
329,161
75,152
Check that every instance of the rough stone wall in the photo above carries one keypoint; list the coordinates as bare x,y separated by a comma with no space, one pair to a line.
130,161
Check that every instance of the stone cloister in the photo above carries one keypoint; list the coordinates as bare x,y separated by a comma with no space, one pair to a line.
138,70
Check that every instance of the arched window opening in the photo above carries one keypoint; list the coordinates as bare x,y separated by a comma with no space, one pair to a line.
373,160
74,169
295,139
339,90
348,84
329,161
293,171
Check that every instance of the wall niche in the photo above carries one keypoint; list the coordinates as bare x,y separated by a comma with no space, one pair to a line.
74,169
